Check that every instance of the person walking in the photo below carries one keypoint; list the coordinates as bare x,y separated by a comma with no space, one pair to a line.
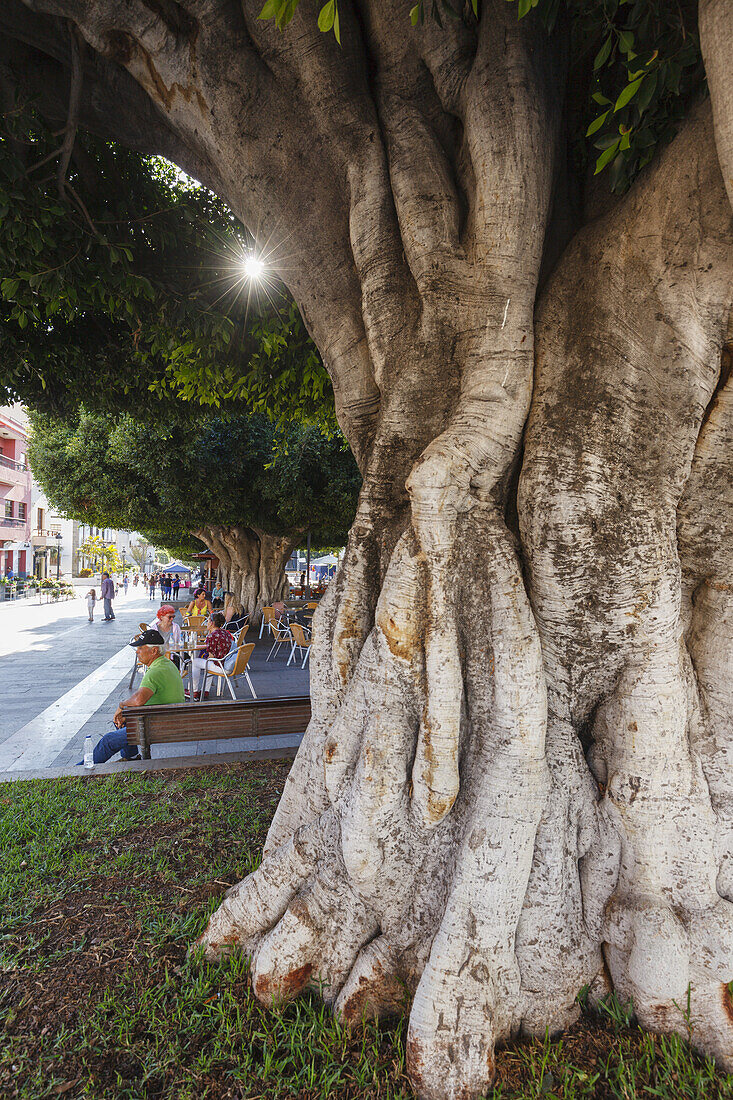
125,582
91,600
176,586
108,594
152,586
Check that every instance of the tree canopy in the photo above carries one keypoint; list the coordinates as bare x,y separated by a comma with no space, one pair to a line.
167,481
124,286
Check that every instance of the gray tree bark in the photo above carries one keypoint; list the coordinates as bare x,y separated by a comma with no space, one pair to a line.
515,782
251,563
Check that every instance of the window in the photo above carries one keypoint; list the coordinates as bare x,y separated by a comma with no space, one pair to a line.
41,518
22,511
8,509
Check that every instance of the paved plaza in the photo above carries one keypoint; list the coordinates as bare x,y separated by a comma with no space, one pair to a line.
61,677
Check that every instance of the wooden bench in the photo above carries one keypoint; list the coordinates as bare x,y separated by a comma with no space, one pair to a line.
180,722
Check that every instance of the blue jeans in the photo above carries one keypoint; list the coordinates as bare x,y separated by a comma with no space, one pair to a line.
113,742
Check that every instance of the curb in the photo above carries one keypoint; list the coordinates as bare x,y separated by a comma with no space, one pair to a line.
163,763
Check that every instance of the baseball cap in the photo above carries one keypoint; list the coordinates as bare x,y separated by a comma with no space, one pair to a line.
148,637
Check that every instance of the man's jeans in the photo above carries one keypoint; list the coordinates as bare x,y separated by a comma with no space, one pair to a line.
113,742
108,612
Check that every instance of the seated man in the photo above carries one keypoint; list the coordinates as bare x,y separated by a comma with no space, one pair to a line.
161,684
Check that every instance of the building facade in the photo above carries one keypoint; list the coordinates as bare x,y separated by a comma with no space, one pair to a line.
16,550
35,539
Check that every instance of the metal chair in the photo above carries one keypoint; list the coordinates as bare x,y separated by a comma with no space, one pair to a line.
301,642
215,668
266,620
136,664
282,637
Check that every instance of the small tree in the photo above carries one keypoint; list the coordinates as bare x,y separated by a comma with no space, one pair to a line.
139,553
103,557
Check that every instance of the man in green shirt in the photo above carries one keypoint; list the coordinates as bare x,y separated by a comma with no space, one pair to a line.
161,684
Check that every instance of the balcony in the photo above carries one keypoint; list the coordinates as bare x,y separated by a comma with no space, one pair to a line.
11,464
14,473
5,521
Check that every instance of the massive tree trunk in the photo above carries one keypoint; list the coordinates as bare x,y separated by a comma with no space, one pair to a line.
252,563
515,781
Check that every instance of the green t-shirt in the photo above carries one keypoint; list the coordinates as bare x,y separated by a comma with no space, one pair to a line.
164,680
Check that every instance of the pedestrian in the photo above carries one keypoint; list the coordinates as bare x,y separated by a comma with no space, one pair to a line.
135,579
125,582
108,594
91,600
152,586
176,586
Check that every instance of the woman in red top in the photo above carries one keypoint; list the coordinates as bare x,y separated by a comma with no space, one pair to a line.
218,643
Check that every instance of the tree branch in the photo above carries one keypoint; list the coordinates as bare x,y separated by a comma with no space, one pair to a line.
72,120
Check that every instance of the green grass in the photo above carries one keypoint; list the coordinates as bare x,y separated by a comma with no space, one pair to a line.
105,882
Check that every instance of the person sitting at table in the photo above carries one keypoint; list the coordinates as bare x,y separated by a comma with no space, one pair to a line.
217,595
199,605
234,616
280,610
161,684
170,630
218,643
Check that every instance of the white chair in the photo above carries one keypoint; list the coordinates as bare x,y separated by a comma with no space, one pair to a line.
215,670
268,618
282,637
301,642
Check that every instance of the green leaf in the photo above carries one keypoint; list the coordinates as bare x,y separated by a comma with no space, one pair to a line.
326,16
626,41
628,93
270,9
9,287
337,23
603,54
599,97
606,156
597,123
416,13
647,92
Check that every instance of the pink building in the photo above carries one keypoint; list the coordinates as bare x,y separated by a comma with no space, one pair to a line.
15,494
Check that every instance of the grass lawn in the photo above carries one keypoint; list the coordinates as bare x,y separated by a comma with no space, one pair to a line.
105,881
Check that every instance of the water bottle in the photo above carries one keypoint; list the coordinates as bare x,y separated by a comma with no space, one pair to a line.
88,752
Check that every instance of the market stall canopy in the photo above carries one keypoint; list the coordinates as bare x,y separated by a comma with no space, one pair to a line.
175,567
326,560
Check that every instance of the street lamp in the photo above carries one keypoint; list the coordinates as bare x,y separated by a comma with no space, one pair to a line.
58,555
123,565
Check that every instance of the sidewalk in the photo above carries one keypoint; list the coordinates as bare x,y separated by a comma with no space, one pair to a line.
61,677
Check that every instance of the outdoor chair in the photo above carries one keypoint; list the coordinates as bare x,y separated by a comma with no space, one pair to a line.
268,614
242,635
313,605
215,668
282,637
301,642
136,665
